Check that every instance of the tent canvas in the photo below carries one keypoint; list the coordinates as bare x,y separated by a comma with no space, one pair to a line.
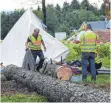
13,46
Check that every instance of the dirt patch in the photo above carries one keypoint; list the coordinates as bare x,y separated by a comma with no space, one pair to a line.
11,87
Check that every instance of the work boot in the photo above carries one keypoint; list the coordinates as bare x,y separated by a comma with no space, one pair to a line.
93,80
84,81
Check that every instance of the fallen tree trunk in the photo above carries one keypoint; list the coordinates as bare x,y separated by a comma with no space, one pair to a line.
56,90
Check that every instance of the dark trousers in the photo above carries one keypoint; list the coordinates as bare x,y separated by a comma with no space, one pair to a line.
88,58
40,54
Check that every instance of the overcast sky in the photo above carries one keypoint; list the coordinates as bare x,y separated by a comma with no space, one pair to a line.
6,5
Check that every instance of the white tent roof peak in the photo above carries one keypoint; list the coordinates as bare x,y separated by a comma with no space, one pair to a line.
13,46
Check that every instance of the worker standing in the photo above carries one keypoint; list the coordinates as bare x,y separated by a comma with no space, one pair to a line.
34,42
88,42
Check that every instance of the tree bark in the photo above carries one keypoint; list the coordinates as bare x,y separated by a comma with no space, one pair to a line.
55,90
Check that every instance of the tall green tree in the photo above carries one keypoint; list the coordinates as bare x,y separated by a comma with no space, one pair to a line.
58,11
8,19
94,9
39,13
102,9
75,4
52,20
58,7
66,7
65,10
85,4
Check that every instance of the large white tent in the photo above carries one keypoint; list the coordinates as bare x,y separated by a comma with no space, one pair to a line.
13,46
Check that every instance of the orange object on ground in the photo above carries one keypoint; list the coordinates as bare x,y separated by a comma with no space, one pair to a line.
64,73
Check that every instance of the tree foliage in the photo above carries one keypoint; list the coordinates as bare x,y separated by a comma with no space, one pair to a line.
75,4
59,19
85,5
102,9
8,19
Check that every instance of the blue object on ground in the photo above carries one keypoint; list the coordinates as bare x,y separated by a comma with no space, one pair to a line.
76,78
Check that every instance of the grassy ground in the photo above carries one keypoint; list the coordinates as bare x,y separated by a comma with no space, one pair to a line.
102,79
17,92
23,98
102,82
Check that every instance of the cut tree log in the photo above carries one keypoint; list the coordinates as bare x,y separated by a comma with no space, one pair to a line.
56,90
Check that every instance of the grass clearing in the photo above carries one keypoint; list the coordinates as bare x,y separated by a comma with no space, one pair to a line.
23,98
102,81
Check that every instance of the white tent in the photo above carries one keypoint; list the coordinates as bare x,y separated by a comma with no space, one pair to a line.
13,46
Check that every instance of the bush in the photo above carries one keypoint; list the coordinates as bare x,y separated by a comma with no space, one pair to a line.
106,62
75,51
104,50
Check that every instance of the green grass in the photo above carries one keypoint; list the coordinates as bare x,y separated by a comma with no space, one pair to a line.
102,81
23,98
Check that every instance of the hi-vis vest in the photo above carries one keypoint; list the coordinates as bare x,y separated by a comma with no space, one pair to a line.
35,44
88,42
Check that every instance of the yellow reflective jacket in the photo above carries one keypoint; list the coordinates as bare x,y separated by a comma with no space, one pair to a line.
88,41
35,44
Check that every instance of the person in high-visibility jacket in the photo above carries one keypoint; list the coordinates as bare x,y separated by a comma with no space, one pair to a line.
34,42
88,42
